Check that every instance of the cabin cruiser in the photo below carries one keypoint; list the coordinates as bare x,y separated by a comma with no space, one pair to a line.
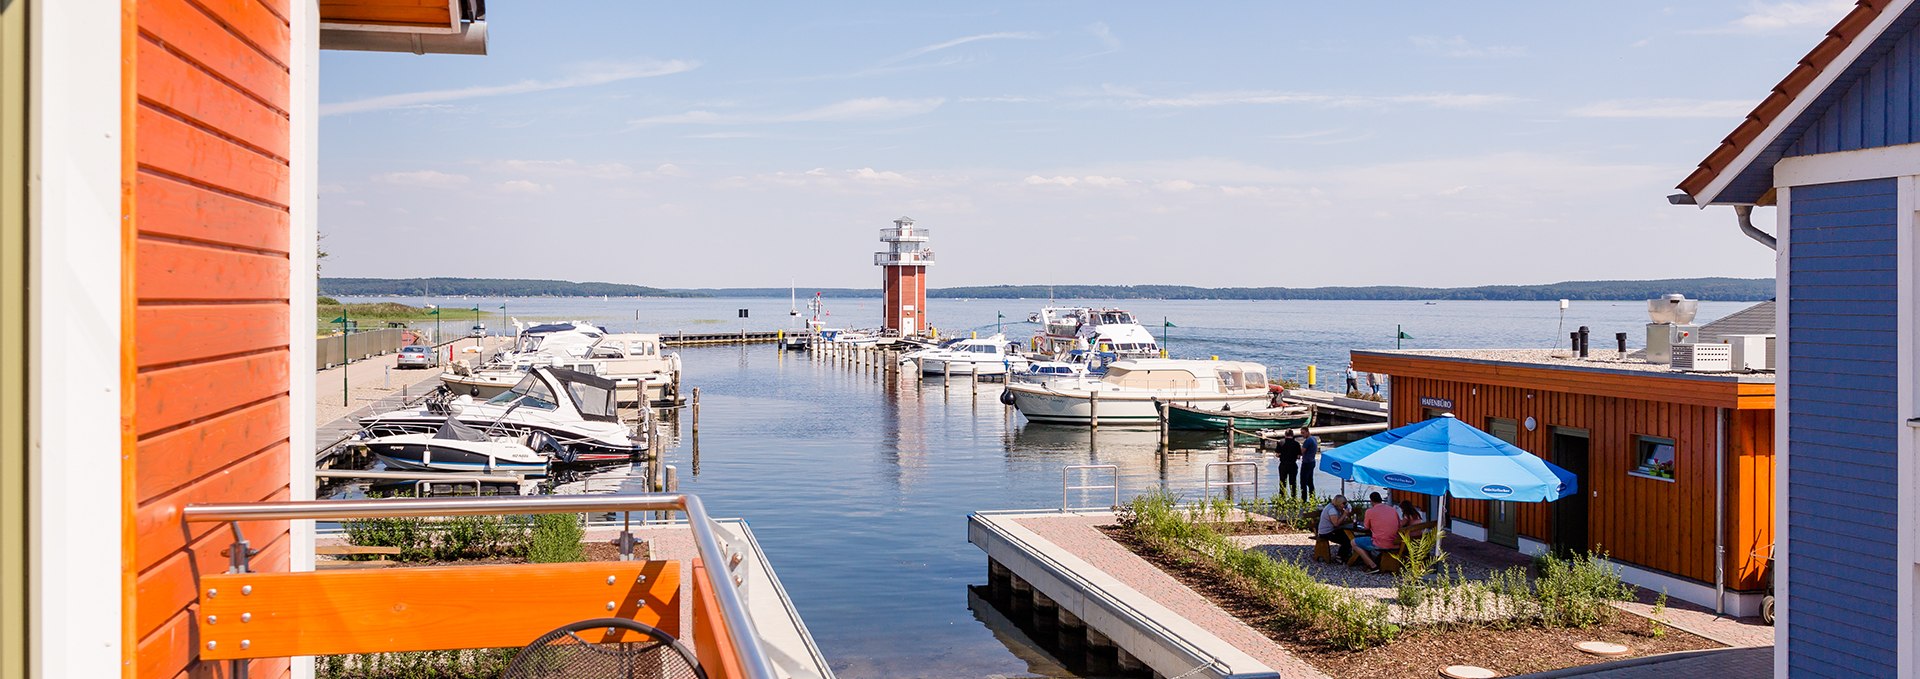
459,447
637,366
1132,389
854,338
1041,372
982,356
559,345
1101,330
575,408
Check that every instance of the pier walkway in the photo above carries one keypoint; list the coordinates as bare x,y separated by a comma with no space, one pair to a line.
372,385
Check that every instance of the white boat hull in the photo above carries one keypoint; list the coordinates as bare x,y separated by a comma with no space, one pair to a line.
945,366
1045,403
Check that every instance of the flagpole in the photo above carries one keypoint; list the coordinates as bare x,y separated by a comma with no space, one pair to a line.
1398,332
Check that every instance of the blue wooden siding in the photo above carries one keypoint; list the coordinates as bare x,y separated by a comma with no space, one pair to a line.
1842,424
1876,110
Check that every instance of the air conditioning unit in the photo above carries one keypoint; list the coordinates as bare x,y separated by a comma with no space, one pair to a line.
1703,358
1771,341
1750,352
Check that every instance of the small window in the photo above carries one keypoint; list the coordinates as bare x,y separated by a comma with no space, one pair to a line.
1504,429
1655,456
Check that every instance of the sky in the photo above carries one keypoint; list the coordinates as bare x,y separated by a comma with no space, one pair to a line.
1215,144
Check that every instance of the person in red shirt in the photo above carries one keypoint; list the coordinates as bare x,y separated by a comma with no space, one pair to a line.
1383,527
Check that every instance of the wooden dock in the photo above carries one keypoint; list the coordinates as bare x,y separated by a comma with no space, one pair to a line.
699,339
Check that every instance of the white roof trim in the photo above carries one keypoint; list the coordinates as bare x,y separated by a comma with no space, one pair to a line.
1800,103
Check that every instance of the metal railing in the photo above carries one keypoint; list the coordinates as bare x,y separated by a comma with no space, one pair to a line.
422,481
1228,482
1066,490
733,609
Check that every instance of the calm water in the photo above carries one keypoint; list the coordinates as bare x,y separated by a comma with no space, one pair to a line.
858,486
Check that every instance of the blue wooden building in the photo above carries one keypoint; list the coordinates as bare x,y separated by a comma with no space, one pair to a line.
1835,147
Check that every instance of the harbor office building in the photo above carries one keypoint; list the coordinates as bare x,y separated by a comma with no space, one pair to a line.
1835,149
1675,469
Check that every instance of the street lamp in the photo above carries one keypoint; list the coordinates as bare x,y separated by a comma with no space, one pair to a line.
476,323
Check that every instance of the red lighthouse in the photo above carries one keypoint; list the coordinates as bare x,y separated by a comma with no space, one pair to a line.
905,262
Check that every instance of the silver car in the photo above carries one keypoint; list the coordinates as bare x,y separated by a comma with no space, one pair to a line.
417,356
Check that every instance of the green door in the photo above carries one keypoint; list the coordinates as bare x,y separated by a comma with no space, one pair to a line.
1501,527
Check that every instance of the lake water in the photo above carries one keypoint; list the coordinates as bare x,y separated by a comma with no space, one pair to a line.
859,485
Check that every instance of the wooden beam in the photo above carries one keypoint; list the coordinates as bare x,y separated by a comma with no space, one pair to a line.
264,615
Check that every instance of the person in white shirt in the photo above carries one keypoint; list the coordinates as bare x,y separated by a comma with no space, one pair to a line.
1336,513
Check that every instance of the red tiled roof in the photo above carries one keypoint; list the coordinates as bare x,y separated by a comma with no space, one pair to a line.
1791,87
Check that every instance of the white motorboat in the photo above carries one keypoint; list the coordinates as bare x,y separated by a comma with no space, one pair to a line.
1108,331
982,356
558,345
459,447
855,338
575,408
637,366
1132,389
1041,372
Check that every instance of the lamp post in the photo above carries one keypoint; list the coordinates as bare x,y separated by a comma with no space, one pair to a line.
342,320
476,322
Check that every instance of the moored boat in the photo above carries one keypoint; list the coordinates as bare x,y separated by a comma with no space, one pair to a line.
1180,416
1131,390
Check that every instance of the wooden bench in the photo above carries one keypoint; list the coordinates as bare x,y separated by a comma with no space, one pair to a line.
353,550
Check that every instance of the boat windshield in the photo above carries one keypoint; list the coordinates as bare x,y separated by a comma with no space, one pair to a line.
531,392
1256,379
592,395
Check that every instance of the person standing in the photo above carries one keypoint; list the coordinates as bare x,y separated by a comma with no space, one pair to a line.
1290,463
1309,449
1373,383
1353,380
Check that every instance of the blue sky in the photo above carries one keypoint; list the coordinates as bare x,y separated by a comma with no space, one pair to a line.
1295,144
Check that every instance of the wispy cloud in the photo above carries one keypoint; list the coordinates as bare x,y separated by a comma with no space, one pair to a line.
522,186
589,75
1273,97
433,179
563,168
850,110
1459,47
1108,43
1664,108
956,42
1771,17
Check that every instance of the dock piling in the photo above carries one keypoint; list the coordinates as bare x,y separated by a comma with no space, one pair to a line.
1093,409
696,411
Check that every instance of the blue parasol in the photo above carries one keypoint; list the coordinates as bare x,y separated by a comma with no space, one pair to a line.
1446,457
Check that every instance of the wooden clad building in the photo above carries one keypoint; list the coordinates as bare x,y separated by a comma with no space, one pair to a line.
1659,455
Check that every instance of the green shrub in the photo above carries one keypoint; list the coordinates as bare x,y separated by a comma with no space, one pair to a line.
483,663
1578,591
1411,581
555,538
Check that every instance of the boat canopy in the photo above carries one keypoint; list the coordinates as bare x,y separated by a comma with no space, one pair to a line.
591,394
455,430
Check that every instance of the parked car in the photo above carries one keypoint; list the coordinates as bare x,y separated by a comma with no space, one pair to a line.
479,330
417,356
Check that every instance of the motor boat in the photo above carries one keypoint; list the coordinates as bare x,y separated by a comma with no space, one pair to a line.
1041,372
854,338
459,447
982,356
1132,389
560,345
575,408
637,367
1107,330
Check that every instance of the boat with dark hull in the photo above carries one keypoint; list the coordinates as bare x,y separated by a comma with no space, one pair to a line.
1194,418
458,447
575,409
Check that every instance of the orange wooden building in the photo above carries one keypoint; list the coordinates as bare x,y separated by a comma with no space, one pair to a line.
157,211
1675,469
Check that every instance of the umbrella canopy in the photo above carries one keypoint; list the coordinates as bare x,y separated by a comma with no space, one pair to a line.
1444,456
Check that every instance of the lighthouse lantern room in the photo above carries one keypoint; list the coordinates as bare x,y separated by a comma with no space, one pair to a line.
904,282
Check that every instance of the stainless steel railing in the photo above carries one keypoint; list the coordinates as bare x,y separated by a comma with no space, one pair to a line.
1227,481
733,609
1066,487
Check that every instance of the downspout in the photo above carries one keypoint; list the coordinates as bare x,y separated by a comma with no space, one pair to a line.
1720,499
1745,215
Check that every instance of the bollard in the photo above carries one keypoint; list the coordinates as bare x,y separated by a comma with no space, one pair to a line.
386,377
1313,377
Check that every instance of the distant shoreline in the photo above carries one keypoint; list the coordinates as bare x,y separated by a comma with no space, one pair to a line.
1714,289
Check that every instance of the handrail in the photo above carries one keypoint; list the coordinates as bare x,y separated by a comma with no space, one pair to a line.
746,647
1227,482
1066,506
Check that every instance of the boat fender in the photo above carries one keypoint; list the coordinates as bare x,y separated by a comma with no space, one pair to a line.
1006,397
474,392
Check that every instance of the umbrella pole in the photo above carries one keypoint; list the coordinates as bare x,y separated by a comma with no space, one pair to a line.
1440,525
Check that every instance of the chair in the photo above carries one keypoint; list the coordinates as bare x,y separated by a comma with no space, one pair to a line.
610,648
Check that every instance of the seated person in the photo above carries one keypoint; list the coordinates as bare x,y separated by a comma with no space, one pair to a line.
1332,516
1383,528
1411,516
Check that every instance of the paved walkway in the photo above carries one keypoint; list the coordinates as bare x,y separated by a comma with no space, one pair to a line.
1076,533
1725,663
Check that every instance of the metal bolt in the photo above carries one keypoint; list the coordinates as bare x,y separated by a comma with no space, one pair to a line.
213,619
246,617
736,580
609,605
642,603
642,578
246,590
212,644
211,593
609,579
244,644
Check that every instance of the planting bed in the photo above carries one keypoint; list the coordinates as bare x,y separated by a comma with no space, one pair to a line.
1418,651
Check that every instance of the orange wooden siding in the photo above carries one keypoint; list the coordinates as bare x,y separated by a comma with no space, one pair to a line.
1658,524
211,287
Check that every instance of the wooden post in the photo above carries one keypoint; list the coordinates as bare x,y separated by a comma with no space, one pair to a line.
1230,438
919,368
696,411
1093,409
946,373
1162,407
973,378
